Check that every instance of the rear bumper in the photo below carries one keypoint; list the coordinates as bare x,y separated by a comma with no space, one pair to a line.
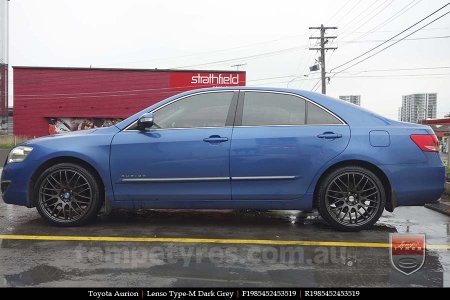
416,184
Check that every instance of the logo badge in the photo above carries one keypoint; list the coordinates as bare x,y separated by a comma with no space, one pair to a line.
407,252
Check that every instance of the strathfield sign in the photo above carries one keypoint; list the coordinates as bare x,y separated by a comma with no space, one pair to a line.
216,79
184,81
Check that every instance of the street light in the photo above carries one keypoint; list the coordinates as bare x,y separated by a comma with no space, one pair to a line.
237,66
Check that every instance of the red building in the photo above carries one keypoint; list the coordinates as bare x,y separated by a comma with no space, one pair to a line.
441,127
44,95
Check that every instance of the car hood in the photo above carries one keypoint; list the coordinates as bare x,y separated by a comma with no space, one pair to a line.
73,134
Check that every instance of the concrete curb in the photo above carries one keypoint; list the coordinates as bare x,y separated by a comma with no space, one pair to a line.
442,206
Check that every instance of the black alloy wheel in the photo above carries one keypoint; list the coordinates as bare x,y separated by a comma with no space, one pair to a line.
351,198
67,194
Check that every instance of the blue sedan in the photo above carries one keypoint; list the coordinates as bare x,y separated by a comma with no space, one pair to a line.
232,148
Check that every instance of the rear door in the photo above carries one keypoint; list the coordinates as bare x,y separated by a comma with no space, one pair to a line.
279,143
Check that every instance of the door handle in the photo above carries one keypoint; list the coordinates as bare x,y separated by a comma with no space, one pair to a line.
329,135
215,139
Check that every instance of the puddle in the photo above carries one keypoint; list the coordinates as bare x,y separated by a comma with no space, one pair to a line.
37,275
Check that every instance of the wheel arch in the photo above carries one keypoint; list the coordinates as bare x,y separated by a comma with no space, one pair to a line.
63,159
390,196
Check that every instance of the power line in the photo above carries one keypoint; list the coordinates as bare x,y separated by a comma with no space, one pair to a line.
139,71
204,52
385,31
401,69
412,39
370,50
395,75
405,76
352,20
244,57
338,11
302,68
392,43
314,88
348,12
399,13
368,19
429,75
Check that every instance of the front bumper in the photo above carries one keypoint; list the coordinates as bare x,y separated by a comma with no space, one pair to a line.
15,183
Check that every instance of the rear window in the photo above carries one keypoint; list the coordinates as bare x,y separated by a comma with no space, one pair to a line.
317,115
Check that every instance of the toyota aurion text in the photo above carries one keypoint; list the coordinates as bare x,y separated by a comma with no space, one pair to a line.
232,148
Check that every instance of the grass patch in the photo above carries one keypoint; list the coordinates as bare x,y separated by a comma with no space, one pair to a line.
9,141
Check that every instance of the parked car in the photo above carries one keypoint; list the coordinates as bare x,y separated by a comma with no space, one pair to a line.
232,148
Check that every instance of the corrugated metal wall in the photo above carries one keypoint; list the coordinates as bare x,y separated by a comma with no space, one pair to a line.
40,93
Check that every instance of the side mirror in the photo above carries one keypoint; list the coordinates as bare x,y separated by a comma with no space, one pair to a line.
145,121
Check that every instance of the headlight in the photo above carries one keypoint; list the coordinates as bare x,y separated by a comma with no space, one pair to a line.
19,154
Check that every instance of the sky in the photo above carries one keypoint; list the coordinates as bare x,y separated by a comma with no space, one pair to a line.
270,39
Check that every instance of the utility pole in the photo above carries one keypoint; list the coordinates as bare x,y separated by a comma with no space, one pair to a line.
323,41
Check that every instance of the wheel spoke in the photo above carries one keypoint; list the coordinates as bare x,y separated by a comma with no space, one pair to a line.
350,215
51,184
53,211
334,197
78,195
362,178
371,188
57,182
346,188
365,183
79,192
74,210
339,192
374,193
369,206
340,211
335,207
49,195
78,186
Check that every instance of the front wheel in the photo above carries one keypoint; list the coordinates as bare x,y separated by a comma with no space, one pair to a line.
351,198
67,194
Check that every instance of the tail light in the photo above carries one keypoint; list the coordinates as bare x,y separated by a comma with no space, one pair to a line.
426,142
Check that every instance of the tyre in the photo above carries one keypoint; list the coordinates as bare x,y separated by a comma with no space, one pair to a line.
67,194
351,198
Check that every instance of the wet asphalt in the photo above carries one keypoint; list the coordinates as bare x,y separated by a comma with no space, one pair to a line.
195,264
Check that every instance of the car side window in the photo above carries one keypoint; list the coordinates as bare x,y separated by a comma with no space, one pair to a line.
265,109
202,110
317,115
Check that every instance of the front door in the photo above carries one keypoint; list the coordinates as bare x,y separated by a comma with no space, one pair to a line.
183,156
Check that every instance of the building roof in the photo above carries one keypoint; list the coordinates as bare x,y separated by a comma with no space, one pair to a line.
436,121
125,69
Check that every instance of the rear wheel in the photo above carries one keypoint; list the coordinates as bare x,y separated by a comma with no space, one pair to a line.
67,194
351,198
